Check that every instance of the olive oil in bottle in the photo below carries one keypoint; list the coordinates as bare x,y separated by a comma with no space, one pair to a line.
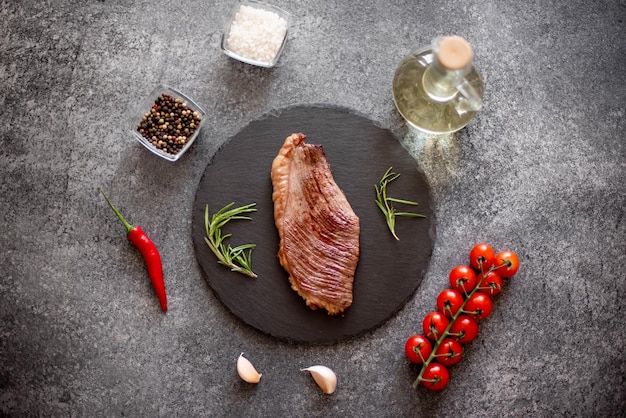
437,89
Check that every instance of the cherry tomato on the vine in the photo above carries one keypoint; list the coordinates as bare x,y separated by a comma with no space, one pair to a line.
434,324
418,348
506,264
449,302
449,352
482,254
435,376
463,279
479,305
491,285
464,329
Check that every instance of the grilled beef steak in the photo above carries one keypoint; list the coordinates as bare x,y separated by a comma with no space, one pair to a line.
319,231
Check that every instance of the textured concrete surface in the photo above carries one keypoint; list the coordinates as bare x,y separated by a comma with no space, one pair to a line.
541,171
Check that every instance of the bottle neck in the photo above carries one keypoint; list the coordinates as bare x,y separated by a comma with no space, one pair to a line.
441,84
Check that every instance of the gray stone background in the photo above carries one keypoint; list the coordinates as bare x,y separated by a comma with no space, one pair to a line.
541,171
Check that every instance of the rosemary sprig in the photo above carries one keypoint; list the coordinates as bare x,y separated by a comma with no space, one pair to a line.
234,258
385,203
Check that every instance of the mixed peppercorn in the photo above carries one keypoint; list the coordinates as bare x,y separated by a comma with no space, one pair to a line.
169,124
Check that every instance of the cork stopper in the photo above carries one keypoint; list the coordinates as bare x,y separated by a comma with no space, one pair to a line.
454,53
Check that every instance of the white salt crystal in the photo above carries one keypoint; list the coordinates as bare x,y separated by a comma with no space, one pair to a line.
256,34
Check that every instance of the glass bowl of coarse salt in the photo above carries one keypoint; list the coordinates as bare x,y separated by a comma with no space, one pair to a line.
255,33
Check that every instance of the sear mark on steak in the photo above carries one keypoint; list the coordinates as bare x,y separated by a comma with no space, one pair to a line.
318,230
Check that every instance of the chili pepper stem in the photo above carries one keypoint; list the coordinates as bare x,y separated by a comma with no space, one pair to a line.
127,225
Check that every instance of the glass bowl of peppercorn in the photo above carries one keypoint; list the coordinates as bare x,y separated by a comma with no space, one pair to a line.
167,123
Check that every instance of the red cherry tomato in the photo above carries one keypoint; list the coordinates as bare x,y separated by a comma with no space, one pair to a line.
449,352
506,264
435,377
418,349
449,302
491,285
462,279
482,254
464,329
479,305
434,324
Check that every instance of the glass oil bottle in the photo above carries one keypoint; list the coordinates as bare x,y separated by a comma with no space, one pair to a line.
437,89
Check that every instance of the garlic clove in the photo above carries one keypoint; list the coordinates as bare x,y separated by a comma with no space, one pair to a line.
325,378
246,370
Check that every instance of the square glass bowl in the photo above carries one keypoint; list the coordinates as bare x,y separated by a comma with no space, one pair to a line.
145,107
257,37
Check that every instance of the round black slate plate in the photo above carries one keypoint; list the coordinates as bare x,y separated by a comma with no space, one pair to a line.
359,153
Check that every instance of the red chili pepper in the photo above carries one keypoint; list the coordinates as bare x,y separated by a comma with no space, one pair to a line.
149,252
